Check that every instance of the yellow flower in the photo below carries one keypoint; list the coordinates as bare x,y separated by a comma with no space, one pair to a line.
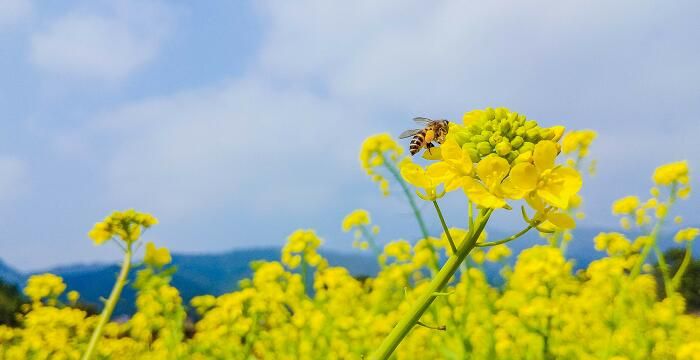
156,257
415,175
73,296
498,253
376,150
356,218
626,205
127,225
555,185
687,234
578,140
614,243
44,286
672,172
455,167
488,193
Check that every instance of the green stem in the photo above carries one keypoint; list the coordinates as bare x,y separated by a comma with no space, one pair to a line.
110,304
675,282
304,271
471,215
444,227
416,212
370,240
409,320
510,238
664,270
653,235
409,196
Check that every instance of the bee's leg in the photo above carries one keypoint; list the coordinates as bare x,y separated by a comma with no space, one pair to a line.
429,146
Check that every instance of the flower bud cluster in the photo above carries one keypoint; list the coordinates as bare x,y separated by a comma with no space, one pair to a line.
127,225
501,132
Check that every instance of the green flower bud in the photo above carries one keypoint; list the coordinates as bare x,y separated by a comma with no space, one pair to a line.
495,139
530,124
462,137
547,134
486,134
484,148
517,142
520,131
527,146
512,156
533,135
501,113
503,148
478,138
473,154
505,127
490,114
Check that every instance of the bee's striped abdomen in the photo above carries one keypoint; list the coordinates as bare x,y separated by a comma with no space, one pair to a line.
417,142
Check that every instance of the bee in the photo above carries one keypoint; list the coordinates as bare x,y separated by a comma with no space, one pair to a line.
433,130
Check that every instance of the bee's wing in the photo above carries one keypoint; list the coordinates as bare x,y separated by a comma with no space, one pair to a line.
422,120
408,133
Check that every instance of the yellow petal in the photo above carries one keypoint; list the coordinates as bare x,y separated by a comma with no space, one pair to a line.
564,183
439,171
535,203
492,170
562,220
472,116
477,193
524,176
511,191
556,199
434,154
451,151
453,183
415,175
544,155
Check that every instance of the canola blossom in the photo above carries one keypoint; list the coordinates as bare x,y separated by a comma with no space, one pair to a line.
431,298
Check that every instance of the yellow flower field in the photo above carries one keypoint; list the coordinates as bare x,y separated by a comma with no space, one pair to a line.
431,298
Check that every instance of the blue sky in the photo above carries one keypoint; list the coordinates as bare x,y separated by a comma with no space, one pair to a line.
236,122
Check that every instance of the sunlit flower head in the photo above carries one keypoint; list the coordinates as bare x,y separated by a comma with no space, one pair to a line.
672,172
578,140
156,257
687,234
126,225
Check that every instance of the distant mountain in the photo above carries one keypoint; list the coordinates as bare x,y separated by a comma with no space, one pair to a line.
213,274
10,275
219,273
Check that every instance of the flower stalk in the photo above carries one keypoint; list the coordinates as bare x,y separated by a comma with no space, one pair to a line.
404,326
110,304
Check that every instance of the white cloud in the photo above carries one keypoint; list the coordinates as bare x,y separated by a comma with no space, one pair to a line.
287,133
93,45
13,11
265,149
12,177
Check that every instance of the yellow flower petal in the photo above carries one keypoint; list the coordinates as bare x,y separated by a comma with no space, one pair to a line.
544,155
562,220
415,175
524,176
434,154
438,171
492,170
535,203
451,151
472,116
512,191
477,193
